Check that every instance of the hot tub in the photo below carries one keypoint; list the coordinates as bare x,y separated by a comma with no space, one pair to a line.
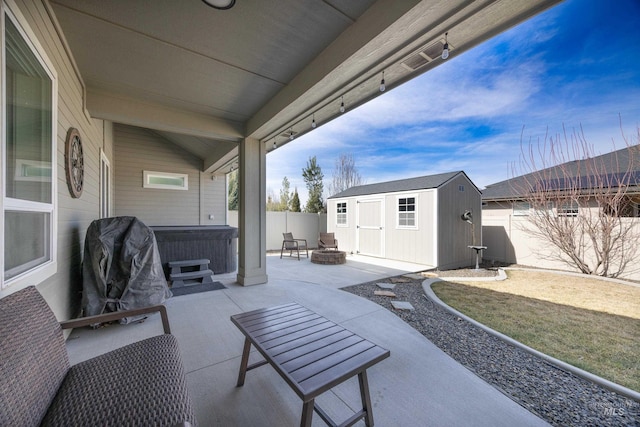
217,243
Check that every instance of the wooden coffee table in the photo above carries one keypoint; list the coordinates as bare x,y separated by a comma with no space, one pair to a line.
311,353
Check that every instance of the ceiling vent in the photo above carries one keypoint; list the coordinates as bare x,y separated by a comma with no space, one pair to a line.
424,56
289,133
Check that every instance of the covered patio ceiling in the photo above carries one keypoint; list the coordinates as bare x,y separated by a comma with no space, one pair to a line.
206,78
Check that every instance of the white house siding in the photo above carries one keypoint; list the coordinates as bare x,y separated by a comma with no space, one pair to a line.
408,245
417,245
455,235
62,290
137,150
343,232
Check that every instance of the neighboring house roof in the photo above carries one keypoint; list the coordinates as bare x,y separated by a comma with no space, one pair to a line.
615,164
408,184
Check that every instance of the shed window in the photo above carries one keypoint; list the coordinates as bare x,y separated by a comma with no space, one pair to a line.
341,213
28,118
407,212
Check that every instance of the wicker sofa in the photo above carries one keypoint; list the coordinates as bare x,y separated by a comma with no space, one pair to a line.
140,384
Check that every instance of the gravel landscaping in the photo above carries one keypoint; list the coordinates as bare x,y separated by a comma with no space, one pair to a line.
559,397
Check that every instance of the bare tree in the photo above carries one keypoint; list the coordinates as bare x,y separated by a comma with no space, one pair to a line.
581,206
345,174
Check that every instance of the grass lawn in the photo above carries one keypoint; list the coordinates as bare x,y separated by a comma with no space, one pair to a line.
592,324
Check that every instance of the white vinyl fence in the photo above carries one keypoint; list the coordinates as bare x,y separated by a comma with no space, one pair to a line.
506,241
302,225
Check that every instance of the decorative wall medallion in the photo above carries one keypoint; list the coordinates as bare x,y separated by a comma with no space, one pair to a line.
74,162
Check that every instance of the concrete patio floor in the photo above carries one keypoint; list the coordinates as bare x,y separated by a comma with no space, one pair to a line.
419,385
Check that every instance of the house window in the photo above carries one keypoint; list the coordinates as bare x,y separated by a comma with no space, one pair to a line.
341,213
521,208
568,209
28,141
407,212
627,207
166,180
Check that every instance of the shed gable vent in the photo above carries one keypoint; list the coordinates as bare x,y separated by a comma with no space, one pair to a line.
424,56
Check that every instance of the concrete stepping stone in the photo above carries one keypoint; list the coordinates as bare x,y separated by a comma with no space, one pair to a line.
399,280
386,285
384,294
414,276
402,305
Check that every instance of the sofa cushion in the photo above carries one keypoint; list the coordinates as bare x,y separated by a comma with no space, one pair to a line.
140,384
33,358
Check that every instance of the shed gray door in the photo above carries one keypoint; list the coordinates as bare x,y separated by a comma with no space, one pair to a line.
369,229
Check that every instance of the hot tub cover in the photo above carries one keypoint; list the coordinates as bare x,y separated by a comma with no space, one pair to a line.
122,269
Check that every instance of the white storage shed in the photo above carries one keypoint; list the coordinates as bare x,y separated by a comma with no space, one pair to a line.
429,220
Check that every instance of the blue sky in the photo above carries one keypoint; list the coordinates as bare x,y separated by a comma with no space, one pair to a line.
575,65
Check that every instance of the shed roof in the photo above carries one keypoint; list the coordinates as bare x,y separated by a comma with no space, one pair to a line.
614,163
407,184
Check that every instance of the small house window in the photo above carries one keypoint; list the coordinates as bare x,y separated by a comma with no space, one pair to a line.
568,209
341,213
166,180
407,212
461,188
521,208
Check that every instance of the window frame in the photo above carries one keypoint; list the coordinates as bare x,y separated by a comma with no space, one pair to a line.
40,271
147,175
519,209
105,185
340,215
399,212
569,209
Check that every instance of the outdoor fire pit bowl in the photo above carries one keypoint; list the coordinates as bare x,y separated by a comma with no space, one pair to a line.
328,257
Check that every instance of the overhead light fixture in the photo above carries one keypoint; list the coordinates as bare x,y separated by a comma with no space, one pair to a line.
445,49
220,4
274,144
313,121
342,104
382,86
291,133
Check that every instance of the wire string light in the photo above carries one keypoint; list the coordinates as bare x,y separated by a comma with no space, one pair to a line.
342,109
274,144
382,85
313,121
291,134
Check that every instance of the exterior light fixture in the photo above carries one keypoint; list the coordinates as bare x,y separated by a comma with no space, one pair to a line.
274,144
342,104
291,134
313,121
382,86
445,49
220,4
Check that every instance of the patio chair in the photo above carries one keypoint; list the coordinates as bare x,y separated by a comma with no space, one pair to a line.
290,244
328,241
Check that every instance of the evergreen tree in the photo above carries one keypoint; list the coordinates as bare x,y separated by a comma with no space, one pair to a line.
313,176
295,201
233,191
285,196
